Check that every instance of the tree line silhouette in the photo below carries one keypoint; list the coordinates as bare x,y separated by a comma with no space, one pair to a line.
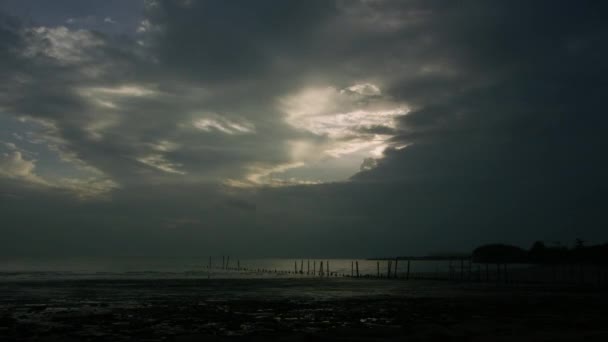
540,253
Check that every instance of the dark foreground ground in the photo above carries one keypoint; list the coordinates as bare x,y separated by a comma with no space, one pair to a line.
297,310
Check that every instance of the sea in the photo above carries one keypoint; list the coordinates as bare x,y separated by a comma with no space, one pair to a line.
217,267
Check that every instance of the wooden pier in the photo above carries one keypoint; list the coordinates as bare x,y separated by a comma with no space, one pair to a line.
457,268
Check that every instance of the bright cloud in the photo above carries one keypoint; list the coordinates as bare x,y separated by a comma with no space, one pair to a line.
159,162
356,121
13,165
217,123
340,113
60,43
34,156
365,89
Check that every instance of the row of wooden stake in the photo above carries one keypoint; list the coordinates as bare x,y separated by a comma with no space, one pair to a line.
457,271
323,268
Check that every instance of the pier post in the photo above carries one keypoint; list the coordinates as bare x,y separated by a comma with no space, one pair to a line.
396,261
352,269
377,269
357,265
388,268
327,266
321,269
408,270
314,267
308,266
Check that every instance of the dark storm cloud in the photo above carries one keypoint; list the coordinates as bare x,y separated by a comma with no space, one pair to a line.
236,40
515,144
527,97
113,16
504,140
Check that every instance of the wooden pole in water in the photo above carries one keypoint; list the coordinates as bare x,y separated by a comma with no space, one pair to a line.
314,267
408,270
377,269
327,265
302,266
352,269
228,262
308,266
321,269
388,268
396,261
295,267
357,264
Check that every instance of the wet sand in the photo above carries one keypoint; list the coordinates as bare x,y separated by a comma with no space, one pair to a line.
298,310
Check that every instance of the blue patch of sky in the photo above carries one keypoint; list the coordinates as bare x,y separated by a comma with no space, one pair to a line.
26,138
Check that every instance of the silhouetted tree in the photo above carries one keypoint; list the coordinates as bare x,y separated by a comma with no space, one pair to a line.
538,252
579,244
499,253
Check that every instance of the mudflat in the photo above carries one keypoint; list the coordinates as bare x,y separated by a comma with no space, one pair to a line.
298,310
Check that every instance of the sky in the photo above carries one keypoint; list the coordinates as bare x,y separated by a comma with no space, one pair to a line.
300,128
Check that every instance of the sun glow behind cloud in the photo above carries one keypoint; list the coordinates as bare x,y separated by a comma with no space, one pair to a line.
344,127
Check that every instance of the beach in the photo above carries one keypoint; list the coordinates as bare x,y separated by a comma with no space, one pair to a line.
297,310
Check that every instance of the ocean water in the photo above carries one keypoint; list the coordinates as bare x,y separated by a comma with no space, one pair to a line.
18,269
